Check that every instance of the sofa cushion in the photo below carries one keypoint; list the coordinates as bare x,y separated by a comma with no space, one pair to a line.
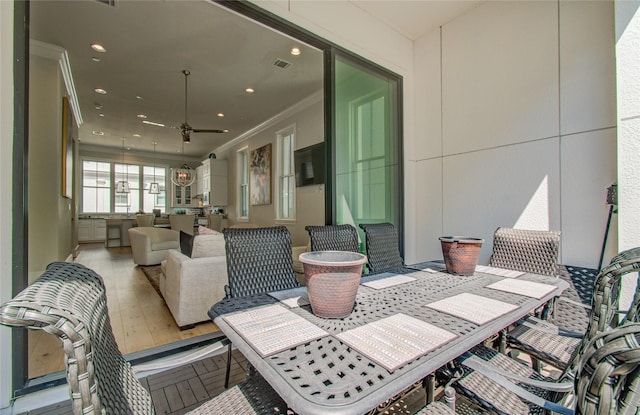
208,245
160,245
186,243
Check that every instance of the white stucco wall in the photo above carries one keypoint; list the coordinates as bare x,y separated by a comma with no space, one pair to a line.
6,145
515,126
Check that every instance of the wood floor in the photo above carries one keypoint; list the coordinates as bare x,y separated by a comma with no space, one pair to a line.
139,316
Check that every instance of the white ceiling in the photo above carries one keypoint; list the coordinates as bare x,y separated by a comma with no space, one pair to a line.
150,42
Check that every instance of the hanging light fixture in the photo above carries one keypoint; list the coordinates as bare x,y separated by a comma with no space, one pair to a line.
154,188
122,186
185,175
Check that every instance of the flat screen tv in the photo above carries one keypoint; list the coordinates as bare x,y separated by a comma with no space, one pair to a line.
310,165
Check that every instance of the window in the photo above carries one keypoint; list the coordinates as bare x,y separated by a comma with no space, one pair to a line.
96,189
243,185
99,182
286,174
154,175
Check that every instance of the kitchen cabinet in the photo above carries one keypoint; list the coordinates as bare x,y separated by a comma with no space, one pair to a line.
214,182
92,230
183,196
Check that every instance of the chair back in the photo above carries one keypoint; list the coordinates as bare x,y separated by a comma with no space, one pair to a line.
214,222
526,250
145,220
383,252
333,238
259,260
184,223
69,301
607,379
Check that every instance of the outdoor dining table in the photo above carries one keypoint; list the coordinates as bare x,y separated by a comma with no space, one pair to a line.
405,325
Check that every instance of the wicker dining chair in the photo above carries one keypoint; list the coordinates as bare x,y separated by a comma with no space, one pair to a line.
501,398
605,381
69,301
258,261
555,341
333,238
383,252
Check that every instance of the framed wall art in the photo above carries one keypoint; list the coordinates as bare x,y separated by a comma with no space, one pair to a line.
260,175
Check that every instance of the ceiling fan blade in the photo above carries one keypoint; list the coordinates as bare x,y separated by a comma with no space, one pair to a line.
200,130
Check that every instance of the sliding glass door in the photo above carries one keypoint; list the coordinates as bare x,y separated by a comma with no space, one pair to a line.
367,145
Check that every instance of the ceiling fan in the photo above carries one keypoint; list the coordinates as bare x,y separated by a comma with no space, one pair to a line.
185,128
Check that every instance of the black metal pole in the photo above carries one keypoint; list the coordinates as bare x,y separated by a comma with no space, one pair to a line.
606,233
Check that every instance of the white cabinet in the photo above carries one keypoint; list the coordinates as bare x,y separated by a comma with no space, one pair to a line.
214,182
183,196
92,230
199,180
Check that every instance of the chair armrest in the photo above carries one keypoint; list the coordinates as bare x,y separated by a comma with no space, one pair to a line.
535,323
506,379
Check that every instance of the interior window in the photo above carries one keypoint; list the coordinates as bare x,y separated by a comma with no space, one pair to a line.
286,174
243,185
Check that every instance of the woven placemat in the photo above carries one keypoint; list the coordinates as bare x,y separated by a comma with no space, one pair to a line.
295,297
526,288
273,328
385,280
501,272
473,308
395,341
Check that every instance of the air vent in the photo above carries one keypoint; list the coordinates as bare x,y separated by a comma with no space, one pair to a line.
281,63
111,3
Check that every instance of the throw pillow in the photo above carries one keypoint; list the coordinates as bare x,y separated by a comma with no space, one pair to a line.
202,230
186,243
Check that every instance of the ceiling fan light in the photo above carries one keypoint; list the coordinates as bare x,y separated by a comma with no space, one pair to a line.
122,187
154,189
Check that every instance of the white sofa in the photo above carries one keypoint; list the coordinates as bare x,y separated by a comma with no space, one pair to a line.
150,245
190,286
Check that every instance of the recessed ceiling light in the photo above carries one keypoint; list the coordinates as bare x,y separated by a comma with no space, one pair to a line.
128,148
95,59
98,133
220,115
295,51
139,97
225,131
98,47
249,90
137,135
100,91
142,116
97,106
157,124
100,115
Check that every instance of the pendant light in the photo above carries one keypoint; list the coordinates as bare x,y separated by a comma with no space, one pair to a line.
123,186
154,188
185,175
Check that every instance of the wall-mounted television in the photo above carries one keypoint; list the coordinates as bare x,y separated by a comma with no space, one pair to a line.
310,165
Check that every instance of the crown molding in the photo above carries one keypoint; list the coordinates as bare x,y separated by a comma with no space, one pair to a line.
295,108
49,51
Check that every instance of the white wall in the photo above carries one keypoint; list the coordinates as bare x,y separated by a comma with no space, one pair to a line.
515,121
6,196
309,129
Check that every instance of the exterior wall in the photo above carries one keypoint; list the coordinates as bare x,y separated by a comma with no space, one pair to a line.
516,126
309,129
6,196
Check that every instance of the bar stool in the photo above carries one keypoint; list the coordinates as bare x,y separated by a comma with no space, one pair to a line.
114,225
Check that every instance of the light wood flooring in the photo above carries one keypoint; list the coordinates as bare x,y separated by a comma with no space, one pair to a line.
139,316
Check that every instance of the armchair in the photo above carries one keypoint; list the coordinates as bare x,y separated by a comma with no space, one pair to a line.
183,223
191,285
150,245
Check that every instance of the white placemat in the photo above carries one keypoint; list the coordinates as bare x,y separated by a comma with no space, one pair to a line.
396,340
473,308
292,298
501,272
425,268
273,328
526,288
386,280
